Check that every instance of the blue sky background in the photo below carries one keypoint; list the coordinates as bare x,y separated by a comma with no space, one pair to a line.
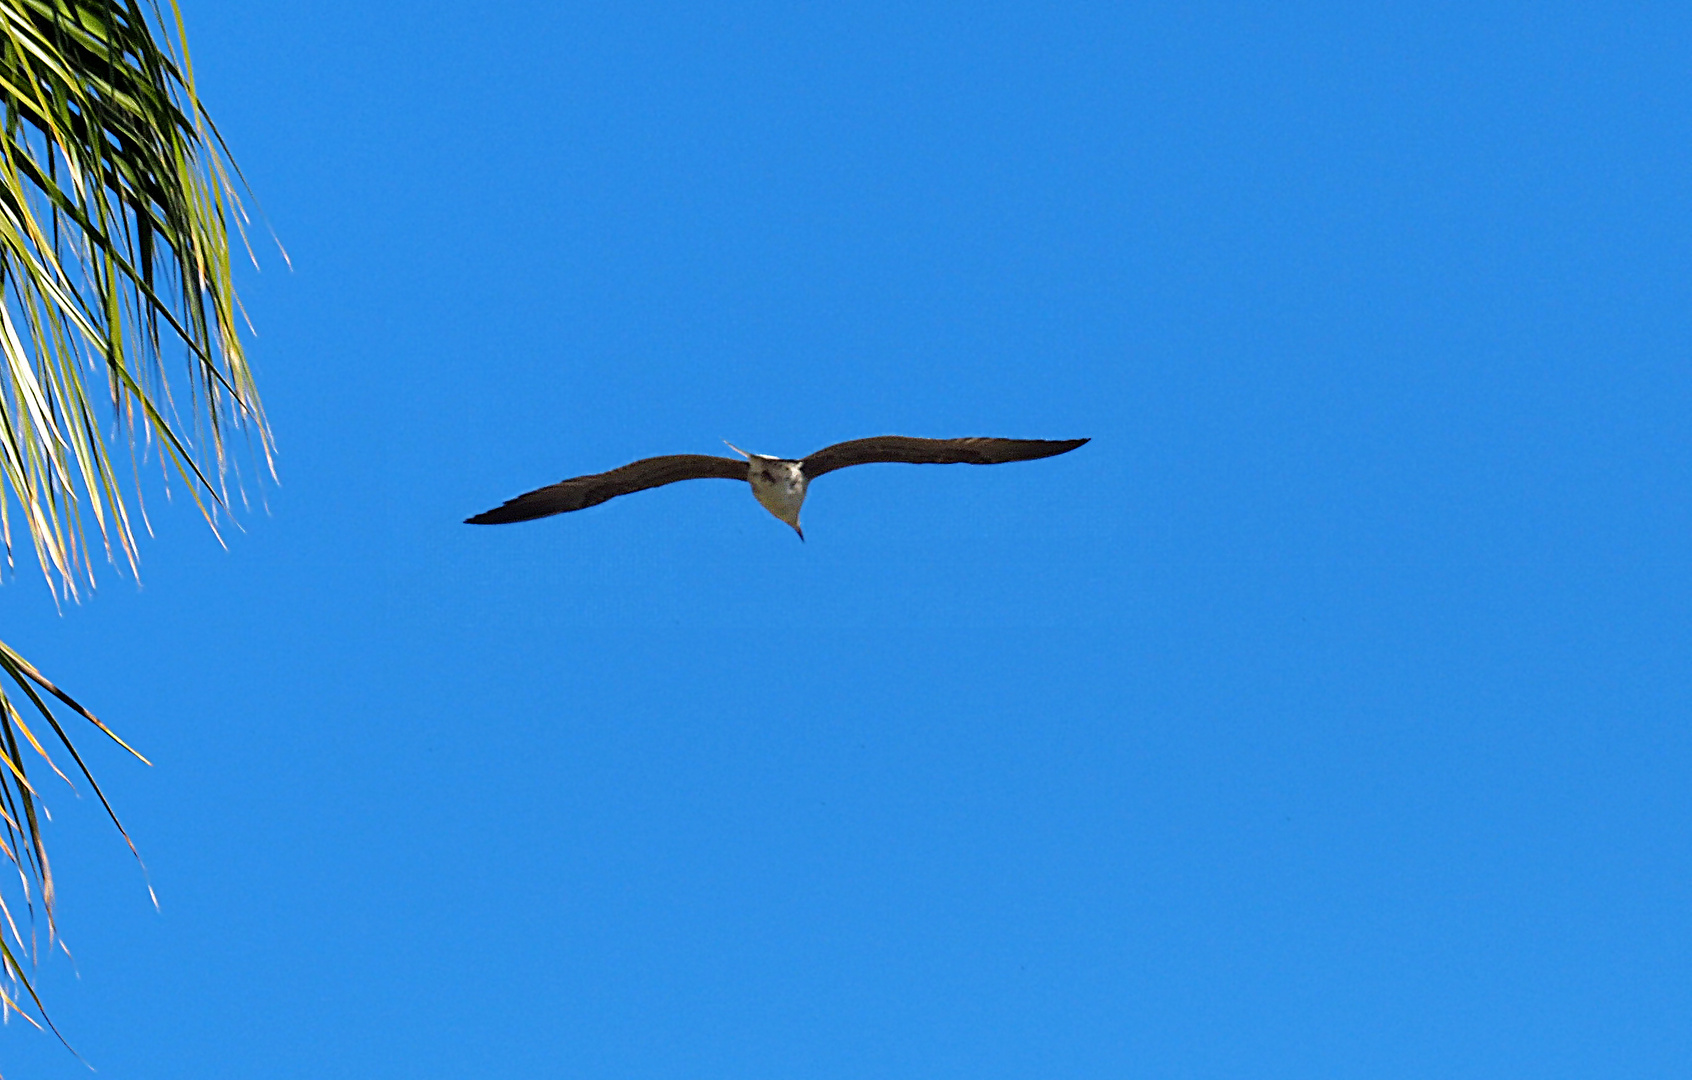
1327,715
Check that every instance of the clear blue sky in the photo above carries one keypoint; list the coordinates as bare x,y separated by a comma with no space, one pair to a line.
1327,715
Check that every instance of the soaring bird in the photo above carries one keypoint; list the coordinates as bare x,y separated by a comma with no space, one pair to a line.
779,484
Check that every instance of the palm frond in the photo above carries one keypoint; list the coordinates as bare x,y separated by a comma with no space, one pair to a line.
116,197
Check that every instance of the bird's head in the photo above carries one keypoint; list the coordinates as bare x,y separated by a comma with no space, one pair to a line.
780,487
778,484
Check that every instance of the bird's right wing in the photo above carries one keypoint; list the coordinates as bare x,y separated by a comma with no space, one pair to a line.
584,491
931,452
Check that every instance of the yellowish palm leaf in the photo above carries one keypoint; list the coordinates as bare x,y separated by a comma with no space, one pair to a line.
116,197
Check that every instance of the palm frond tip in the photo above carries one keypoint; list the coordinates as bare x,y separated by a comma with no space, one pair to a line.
116,201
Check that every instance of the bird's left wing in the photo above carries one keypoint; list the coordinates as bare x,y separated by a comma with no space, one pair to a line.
915,451
585,491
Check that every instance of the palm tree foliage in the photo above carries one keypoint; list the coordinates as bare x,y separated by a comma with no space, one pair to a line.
115,198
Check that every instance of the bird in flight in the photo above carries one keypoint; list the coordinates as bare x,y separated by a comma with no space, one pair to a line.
779,484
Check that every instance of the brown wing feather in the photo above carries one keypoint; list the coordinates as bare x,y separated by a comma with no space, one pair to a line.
584,491
932,452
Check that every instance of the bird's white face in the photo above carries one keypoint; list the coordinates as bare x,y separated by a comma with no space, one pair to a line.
780,487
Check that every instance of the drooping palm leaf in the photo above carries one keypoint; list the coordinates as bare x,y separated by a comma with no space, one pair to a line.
115,201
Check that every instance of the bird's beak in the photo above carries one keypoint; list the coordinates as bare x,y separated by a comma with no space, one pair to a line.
737,450
801,533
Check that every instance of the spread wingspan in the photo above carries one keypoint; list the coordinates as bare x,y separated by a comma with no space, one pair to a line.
584,491
903,448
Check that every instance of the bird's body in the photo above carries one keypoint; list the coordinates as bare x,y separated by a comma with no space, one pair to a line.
779,484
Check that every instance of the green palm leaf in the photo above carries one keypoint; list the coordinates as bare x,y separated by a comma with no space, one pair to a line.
116,195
